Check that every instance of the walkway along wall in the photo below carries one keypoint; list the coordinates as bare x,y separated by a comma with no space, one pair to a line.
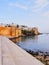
11,54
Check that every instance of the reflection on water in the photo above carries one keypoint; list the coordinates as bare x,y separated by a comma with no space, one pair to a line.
34,43
22,39
17,39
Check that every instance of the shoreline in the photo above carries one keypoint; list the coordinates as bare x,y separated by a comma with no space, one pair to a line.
40,55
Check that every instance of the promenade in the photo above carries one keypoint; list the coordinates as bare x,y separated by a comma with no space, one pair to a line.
11,54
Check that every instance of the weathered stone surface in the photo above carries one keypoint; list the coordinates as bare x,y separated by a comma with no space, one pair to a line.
35,31
11,54
10,31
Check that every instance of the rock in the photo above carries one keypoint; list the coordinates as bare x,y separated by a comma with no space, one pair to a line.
35,31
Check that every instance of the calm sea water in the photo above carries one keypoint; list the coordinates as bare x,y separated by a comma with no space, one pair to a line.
35,43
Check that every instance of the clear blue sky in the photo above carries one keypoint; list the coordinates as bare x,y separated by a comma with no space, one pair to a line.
33,13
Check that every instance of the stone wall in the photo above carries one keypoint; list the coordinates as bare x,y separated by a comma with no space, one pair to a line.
10,31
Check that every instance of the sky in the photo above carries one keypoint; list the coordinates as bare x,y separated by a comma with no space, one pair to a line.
33,13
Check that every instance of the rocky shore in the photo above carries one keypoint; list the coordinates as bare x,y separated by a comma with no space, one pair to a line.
42,56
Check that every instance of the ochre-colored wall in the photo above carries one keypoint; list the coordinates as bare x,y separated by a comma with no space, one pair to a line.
10,31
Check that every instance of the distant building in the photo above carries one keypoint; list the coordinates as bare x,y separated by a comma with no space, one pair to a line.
13,30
